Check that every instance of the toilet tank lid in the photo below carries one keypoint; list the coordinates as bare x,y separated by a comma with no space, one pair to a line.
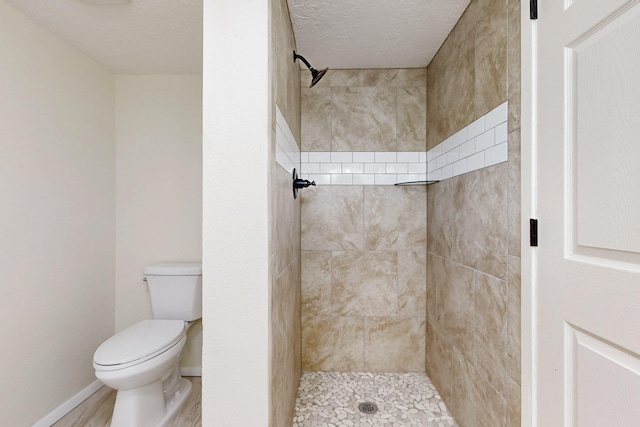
174,269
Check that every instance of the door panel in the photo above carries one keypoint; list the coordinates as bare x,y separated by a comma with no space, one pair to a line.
598,369
587,278
603,113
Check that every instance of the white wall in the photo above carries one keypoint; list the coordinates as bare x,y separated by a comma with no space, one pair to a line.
236,148
57,219
159,188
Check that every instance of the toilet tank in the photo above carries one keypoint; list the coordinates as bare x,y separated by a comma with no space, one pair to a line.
176,290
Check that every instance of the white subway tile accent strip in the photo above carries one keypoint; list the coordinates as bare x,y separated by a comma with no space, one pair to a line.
364,157
481,144
319,157
341,179
353,168
288,154
341,157
408,156
363,167
364,179
385,156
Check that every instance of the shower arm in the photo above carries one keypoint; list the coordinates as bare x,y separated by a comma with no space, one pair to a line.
300,57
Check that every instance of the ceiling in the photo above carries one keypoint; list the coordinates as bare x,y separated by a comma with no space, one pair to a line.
372,33
165,36
141,37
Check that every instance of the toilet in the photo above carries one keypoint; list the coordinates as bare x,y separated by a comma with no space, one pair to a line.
142,362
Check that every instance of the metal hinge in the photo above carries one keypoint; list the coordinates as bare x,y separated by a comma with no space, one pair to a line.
533,9
533,232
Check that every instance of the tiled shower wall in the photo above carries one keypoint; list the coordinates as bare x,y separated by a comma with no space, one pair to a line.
364,247
473,260
480,144
284,239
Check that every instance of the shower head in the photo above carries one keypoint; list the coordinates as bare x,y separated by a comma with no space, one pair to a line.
315,74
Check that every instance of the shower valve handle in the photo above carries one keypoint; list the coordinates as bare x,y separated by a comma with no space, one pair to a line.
303,183
300,183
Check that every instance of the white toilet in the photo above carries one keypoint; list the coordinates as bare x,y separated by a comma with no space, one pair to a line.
142,362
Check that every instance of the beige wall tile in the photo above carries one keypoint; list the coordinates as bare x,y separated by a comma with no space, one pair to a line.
317,113
434,117
412,119
395,218
451,82
286,74
364,119
490,322
339,227
332,343
468,76
286,342
441,212
474,402
364,283
394,344
284,229
434,276
513,194
481,220
396,77
412,274
514,215
454,309
474,219
513,403
343,78
463,397
490,56
514,66
316,283
439,361
367,106
365,110
513,319
286,232
490,406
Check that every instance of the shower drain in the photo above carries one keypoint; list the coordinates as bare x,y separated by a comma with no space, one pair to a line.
368,407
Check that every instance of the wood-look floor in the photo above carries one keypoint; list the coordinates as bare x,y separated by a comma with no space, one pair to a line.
96,410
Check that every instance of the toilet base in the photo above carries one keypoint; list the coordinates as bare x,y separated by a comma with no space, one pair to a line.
148,406
175,401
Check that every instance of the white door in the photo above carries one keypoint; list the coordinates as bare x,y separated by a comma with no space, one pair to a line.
586,281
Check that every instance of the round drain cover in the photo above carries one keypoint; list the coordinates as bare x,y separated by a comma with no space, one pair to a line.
368,407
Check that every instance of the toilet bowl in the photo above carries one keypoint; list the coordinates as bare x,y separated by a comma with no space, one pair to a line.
142,362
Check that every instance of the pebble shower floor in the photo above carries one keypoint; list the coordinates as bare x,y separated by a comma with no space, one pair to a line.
331,399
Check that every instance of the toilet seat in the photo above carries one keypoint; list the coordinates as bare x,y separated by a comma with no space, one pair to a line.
138,343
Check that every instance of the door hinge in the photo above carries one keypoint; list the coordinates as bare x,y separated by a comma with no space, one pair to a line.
533,9
533,232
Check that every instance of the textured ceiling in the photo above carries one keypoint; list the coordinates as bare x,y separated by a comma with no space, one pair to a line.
165,36
372,33
142,37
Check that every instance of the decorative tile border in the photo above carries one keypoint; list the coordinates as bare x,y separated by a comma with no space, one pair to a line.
287,151
363,167
481,144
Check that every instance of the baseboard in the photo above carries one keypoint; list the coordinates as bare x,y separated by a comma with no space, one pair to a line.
191,371
68,406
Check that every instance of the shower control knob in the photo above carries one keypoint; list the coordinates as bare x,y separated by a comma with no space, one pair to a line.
303,183
300,183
